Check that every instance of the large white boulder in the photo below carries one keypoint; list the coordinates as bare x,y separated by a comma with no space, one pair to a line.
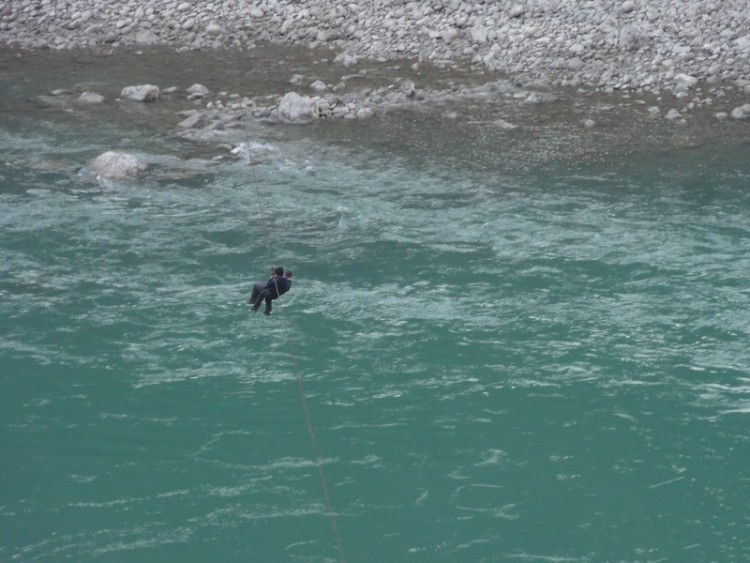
141,93
294,108
116,165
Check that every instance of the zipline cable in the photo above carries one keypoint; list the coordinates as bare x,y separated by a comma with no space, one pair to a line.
298,376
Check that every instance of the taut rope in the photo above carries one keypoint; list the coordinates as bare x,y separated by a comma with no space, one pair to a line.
298,377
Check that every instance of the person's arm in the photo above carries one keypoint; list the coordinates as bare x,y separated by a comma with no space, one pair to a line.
285,286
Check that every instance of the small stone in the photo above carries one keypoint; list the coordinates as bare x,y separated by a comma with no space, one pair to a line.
478,34
627,7
516,11
214,28
673,114
197,91
575,63
146,37
319,86
364,113
407,87
577,49
192,121
741,112
686,80
721,115
654,110
588,123
630,37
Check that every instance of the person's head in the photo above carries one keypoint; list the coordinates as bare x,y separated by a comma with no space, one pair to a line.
279,271
288,273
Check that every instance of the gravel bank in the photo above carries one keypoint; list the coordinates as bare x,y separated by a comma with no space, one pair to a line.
633,45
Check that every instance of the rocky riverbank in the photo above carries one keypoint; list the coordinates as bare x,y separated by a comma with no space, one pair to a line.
631,71
635,45
248,100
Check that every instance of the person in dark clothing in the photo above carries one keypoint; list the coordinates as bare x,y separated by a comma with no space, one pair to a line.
278,285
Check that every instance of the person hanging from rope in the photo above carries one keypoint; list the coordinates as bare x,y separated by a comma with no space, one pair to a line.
278,285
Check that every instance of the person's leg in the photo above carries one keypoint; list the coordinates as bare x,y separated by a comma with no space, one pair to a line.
257,288
262,296
268,305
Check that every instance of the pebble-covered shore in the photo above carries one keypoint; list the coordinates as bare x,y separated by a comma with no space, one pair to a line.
636,45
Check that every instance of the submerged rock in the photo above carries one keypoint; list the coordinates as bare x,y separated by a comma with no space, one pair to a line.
51,101
116,165
194,120
505,125
90,98
673,115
